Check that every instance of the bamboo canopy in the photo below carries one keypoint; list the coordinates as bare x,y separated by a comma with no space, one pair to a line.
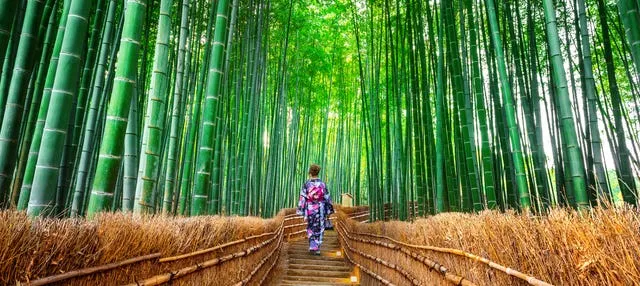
195,107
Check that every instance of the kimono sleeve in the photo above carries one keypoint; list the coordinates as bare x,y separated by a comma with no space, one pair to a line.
302,202
327,201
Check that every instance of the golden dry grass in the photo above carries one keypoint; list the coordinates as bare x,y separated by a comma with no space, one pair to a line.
36,248
597,247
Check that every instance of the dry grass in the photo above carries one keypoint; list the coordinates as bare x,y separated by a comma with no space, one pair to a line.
36,248
600,247
351,210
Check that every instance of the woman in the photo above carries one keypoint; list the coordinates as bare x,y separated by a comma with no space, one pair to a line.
315,205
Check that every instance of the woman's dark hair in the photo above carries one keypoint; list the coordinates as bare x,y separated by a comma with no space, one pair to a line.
314,170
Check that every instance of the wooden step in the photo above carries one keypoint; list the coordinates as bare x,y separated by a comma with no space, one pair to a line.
311,283
312,261
314,272
306,252
306,244
307,268
324,242
326,236
320,267
323,247
325,239
314,257
317,279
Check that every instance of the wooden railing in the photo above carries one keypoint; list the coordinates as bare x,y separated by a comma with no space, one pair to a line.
173,275
292,226
247,246
345,237
354,242
295,226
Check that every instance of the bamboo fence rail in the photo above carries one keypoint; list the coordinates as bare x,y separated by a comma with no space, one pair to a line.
91,270
166,277
218,247
439,268
368,271
291,225
509,271
387,264
246,280
173,275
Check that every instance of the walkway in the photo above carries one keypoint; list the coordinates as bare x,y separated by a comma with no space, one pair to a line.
304,268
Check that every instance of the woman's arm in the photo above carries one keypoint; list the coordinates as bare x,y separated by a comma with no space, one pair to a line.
327,201
302,202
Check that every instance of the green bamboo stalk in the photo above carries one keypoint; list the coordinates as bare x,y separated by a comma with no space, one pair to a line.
630,16
153,131
205,148
62,95
485,149
12,117
34,149
574,155
91,122
175,130
27,138
440,191
7,14
130,172
87,72
111,148
590,91
509,108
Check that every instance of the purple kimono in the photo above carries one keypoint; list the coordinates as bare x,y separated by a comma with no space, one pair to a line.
315,205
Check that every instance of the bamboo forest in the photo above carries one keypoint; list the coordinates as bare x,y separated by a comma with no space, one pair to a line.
186,125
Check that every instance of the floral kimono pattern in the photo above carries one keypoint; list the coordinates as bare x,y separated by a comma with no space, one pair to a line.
315,205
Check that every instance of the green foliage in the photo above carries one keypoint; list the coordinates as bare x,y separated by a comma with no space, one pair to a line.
456,105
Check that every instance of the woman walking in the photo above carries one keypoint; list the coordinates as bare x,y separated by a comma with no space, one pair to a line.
315,205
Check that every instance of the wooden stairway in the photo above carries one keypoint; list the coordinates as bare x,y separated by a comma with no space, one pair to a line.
305,268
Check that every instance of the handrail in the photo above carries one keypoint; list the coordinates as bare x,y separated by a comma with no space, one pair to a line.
264,260
368,271
453,278
289,235
170,276
509,271
378,260
211,249
114,265
264,277
91,270
359,216
101,268
456,279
